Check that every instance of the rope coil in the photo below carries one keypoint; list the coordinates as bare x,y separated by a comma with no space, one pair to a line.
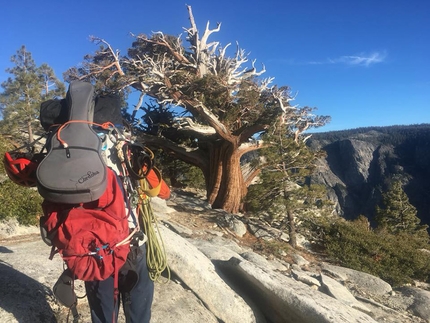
156,255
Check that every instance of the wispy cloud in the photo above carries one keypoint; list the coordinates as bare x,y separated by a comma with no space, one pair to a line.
361,60
355,60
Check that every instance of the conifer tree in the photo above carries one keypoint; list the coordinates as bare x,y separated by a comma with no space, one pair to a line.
397,214
28,86
220,102
282,192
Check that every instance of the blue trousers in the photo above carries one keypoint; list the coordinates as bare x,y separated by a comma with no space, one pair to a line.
100,295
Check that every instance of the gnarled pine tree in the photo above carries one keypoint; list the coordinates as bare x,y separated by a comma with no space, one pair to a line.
220,103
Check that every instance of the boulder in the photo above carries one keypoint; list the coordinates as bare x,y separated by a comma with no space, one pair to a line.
341,293
173,301
303,277
283,299
365,282
199,274
421,301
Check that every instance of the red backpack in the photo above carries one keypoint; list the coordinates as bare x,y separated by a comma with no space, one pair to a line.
92,238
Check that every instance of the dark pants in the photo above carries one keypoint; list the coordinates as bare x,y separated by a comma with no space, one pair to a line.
100,296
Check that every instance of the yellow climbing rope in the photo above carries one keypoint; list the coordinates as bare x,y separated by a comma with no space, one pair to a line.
155,251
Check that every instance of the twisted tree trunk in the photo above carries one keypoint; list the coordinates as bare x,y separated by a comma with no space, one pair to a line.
225,183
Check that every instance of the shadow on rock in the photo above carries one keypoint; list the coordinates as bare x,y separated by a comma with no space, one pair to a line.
5,250
22,297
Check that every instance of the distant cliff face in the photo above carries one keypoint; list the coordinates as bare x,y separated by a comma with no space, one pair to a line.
360,164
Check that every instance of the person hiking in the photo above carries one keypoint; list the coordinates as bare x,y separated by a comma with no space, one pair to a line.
96,183
136,304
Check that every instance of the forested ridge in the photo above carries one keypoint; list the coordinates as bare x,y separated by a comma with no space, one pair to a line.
385,135
365,161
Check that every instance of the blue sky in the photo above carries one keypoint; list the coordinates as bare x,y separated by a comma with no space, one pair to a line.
364,63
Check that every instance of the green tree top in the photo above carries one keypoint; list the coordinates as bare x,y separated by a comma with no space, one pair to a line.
397,214
23,92
282,192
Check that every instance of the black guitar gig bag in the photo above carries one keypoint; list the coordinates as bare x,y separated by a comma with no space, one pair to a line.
73,171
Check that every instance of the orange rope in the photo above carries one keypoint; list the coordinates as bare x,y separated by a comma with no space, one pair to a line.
105,125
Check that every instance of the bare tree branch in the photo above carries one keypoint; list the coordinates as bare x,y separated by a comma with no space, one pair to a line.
192,156
188,124
115,55
212,119
161,41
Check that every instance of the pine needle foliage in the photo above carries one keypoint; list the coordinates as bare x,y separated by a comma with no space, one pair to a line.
397,250
396,258
397,215
27,86
18,202
282,193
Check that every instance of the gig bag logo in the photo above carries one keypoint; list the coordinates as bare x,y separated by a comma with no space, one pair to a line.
90,174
